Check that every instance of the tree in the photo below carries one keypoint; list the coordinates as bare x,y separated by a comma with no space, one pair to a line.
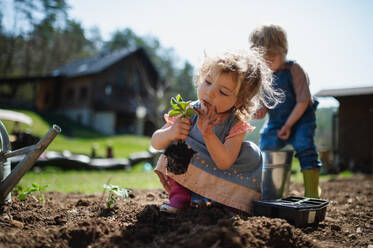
185,83
177,80
163,58
28,16
94,36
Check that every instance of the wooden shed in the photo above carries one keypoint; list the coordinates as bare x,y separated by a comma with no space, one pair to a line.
353,127
109,92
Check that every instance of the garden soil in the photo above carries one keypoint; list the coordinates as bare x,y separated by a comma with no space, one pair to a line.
78,220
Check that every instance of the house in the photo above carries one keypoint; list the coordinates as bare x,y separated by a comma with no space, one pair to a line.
353,127
114,93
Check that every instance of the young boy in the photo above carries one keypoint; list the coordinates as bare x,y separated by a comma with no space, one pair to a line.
292,121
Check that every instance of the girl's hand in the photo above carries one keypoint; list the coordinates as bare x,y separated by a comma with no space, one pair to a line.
284,132
207,120
180,129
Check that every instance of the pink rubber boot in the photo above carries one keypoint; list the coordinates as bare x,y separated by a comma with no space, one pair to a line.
179,198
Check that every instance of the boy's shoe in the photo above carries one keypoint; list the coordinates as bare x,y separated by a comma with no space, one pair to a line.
168,209
311,183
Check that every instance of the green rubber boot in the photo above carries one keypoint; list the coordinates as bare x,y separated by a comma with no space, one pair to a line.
311,183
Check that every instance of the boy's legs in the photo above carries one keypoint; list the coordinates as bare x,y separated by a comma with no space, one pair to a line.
270,141
303,143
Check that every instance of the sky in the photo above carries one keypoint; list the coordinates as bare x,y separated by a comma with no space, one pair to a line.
331,40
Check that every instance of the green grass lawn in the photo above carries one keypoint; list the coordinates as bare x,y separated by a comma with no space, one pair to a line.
91,181
80,139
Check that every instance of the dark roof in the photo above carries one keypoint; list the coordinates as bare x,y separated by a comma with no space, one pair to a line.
88,66
346,92
95,64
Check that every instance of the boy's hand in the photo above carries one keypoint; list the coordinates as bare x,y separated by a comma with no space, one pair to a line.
207,120
260,113
284,132
180,129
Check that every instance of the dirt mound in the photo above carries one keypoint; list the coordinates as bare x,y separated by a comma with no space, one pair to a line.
76,220
206,227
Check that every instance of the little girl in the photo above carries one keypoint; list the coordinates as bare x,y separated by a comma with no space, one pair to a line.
224,169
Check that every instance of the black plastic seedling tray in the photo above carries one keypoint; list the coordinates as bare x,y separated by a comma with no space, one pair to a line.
298,211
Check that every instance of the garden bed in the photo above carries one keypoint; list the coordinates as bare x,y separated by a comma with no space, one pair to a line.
77,220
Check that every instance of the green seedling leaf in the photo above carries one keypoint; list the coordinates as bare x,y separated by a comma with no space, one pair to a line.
174,113
24,192
121,193
190,112
111,187
174,103
22,196
181,108
114,193
43,187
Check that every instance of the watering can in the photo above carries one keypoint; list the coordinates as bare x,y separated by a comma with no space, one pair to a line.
9,178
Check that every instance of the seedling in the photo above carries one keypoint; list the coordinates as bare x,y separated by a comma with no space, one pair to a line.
179,155
35,188
114,193
179,107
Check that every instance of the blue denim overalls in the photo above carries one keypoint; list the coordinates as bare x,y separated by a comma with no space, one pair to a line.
303,131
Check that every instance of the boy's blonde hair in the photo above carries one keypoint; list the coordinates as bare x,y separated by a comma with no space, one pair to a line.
253,77
271,38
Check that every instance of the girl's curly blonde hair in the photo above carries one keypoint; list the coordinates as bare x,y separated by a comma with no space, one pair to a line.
254,79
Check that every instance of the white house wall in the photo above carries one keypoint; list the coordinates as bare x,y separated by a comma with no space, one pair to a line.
104,122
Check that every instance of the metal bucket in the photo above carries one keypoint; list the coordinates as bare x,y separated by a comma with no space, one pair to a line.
276,174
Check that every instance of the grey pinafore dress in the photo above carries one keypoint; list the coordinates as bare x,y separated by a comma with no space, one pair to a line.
235,187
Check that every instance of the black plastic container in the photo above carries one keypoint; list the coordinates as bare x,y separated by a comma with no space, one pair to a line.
298,211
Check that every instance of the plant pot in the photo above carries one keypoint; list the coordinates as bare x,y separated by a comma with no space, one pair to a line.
178,157
298,211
